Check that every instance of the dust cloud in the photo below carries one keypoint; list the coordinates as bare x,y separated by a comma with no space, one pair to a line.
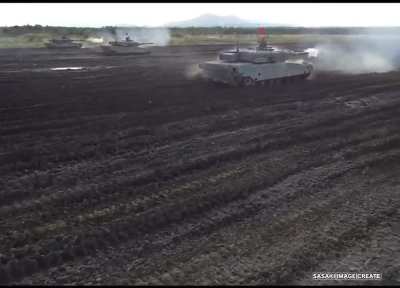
366,54
193,72
158,36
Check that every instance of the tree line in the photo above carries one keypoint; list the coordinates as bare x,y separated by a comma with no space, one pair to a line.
179,31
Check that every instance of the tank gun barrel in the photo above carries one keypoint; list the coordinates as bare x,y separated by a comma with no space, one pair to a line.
67,39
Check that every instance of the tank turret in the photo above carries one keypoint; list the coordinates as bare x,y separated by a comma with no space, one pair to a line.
260,65
127,46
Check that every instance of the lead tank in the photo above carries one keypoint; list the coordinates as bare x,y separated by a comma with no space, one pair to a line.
63,43
126,47
261,65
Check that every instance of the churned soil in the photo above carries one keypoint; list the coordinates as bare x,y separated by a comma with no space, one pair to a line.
134,170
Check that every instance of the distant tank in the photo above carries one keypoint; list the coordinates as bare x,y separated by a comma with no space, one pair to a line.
262,65
64,42
126,47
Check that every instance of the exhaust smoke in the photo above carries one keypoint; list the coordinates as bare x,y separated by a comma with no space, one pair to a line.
366,54
95,40
158,36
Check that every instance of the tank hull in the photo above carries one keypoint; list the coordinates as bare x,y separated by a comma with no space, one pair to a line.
248,74
120,50
63,46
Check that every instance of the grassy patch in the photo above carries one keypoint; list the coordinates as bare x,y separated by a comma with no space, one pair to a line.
29,40
38,40
252,39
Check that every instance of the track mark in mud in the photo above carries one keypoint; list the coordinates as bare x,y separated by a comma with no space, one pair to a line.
180,188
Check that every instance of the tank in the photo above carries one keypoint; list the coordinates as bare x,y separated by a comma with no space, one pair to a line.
262,65
64,42
126,47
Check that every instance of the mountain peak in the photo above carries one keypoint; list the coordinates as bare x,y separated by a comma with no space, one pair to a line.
212,20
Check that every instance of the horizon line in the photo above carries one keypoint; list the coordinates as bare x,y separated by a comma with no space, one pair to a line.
216,26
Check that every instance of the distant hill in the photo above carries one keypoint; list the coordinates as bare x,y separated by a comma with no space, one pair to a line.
211,20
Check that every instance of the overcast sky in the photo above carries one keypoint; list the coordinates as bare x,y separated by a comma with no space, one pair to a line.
158,14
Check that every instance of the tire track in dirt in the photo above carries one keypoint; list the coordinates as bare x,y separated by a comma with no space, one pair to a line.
330,121
190,212
240,259
325,151
314,184
276,154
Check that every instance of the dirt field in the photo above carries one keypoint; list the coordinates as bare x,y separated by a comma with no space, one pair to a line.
130,172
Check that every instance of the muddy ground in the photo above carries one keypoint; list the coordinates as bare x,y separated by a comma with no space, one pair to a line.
135,171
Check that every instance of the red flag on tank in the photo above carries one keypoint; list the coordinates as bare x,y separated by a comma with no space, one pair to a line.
262,36
262,31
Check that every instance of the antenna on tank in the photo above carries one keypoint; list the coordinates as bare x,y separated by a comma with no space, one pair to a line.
237,41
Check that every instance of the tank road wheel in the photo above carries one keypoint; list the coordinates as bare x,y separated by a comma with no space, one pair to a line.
306,74
258,83
237,81
216,84
248,81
